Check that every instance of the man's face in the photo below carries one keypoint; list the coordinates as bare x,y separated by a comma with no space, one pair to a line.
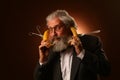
56,28
58,35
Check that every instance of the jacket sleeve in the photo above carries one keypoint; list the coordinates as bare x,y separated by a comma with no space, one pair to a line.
41,72
94,46
104,67
44,71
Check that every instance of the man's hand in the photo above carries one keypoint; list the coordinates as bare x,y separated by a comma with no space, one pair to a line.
75,41
43,51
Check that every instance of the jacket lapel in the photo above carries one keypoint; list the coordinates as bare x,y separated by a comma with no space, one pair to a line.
57,69
75,65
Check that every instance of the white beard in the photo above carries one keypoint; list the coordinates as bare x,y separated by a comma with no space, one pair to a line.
60,45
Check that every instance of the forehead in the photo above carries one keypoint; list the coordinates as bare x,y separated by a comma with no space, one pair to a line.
53,22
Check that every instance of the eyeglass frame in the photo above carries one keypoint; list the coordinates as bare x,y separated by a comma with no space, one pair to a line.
56,27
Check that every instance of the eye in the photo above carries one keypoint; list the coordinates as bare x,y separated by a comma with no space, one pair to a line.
58,27
50,29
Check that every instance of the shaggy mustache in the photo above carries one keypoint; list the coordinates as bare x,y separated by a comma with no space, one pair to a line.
60,43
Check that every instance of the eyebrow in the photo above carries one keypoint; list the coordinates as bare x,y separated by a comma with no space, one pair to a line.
54,26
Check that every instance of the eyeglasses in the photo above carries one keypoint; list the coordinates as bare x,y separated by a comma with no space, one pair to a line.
56,28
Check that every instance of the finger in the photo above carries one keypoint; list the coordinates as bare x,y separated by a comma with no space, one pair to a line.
69,42
74,43
76,38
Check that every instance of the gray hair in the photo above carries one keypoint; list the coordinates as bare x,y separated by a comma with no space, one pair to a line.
63,16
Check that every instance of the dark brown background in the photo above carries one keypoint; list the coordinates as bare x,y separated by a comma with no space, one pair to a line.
20,52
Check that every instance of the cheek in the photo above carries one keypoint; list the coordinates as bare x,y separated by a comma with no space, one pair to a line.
51,34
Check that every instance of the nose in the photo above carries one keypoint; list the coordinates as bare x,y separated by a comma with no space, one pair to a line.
54,33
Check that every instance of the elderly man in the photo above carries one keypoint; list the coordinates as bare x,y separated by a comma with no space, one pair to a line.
69,57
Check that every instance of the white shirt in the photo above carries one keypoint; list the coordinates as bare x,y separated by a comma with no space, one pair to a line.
66,62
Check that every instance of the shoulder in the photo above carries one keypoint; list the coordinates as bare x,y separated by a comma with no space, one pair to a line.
90,42
88,37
